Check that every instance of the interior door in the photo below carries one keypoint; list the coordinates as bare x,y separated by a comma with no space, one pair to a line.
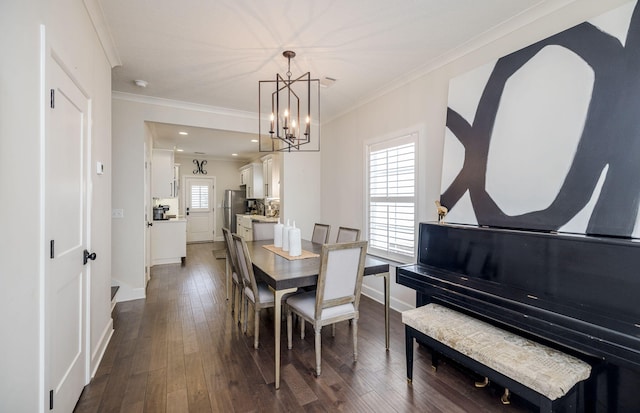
67,192
199,210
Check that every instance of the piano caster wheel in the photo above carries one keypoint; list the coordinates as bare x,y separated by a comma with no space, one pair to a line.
505,397
482,384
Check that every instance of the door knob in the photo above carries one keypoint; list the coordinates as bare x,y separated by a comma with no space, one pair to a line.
149,224
88,256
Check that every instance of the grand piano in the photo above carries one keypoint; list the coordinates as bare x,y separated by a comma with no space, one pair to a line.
577,293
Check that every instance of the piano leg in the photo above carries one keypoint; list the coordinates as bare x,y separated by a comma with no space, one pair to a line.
482,384
505,397
408,337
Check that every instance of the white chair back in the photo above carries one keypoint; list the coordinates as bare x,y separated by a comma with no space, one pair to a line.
245,265
348,234
231,250
320,234
341,273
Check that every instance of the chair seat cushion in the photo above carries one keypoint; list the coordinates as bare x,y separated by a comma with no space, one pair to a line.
264,294
305,305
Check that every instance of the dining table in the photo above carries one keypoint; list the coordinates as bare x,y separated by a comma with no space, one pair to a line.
287,275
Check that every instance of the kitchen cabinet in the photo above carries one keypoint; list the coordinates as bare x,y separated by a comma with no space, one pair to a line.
271,176
168,241
244,227
163,180
251,177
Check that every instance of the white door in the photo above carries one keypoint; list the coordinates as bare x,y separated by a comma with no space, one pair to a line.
199,210
66,201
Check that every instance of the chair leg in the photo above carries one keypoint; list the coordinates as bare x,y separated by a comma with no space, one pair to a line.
333,329
354,325
233,298
256,322
289,328
301,328
318,349
245,315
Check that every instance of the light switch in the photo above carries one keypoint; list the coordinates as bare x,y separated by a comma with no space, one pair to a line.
99,168
117,213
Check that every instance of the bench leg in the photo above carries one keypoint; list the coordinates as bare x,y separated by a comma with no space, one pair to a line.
408,336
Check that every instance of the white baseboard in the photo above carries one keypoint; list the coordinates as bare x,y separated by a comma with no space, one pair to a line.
98,353
378,296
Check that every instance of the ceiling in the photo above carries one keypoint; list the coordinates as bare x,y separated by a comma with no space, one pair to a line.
215,52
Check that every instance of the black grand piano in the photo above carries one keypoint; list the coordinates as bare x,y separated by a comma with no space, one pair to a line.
578,293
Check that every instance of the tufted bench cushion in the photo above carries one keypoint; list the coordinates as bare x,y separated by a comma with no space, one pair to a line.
545,370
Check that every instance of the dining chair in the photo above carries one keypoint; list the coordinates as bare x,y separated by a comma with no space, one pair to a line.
320,233
346,234
257,293
236,281
262,230
337,297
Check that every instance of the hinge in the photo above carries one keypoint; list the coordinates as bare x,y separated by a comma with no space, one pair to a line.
50,399
51,249
53,99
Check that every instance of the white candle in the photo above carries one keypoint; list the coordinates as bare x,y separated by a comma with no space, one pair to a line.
285,237
277,234
295,242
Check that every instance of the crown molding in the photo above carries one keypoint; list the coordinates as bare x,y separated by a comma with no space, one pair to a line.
179,104
96,15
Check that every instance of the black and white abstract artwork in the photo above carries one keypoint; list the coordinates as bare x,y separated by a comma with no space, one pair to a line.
548,138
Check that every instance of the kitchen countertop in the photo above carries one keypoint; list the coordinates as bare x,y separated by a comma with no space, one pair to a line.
180,219
261,218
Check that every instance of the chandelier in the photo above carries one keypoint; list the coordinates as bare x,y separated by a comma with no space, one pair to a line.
289,112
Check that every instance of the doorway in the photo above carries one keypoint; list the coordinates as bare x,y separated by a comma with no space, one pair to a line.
199,196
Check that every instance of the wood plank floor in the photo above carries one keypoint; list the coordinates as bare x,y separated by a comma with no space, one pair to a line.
180,351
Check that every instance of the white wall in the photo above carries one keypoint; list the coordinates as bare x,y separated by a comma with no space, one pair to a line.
421,104
70,31
129,114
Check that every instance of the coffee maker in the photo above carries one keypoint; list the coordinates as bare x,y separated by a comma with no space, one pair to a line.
160,212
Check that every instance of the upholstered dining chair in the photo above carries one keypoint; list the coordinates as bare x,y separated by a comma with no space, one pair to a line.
320,233
236,281
346,234
262,230
337,297
257,293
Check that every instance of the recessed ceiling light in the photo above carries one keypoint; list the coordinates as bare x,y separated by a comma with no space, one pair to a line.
183,133
141,83
234,154
179,150
200,153
254,140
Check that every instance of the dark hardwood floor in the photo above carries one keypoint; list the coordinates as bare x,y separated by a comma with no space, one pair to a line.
180,351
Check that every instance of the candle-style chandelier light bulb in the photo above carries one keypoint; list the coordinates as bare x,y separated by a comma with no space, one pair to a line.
287,103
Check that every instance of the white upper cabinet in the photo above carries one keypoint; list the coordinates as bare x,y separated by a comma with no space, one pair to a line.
271,176
251,176
163,179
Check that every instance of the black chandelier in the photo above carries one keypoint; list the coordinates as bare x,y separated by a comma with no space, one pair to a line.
289,112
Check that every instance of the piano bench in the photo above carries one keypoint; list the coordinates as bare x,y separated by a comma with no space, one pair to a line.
540,374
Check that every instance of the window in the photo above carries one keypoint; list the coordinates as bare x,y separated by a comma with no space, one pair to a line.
199,197
392,197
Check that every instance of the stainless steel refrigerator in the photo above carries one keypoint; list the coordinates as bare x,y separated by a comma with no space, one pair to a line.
234,203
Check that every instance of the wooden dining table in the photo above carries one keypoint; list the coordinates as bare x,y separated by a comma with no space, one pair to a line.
284,276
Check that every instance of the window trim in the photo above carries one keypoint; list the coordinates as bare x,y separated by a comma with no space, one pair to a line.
390,141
